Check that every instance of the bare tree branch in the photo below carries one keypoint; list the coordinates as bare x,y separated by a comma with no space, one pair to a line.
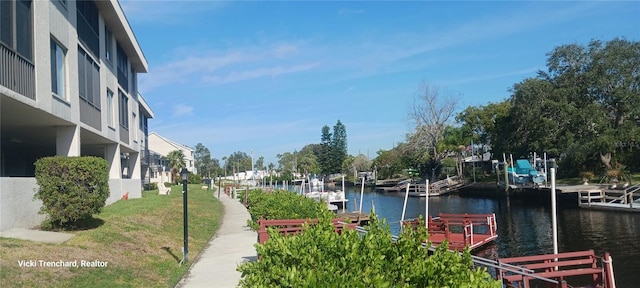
432,111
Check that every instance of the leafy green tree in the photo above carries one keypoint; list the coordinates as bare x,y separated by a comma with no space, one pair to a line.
286,164
362,163
539,118
176,163
216,168
388,163
349,169
307,161
260,163
238,162
484,120
203,161
583,108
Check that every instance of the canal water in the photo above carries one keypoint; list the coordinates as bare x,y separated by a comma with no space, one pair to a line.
524,226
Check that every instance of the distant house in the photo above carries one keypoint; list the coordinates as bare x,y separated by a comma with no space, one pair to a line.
68,86
159,148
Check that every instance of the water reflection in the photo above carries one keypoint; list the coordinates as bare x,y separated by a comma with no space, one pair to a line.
524,227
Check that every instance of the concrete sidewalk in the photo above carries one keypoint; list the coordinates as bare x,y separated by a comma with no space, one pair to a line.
231,246
37,235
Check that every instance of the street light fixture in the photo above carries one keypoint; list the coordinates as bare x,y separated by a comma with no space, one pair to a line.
184,175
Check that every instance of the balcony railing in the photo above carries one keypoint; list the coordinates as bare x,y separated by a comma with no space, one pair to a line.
124,134
16,73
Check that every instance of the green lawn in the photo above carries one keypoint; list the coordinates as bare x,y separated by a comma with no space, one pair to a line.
141,239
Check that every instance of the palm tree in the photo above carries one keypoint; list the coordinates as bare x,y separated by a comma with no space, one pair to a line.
176,162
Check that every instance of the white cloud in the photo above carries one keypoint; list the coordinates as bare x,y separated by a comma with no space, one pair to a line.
236,76
494,76
355,58
218,67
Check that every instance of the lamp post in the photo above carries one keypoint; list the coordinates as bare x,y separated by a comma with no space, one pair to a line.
184,175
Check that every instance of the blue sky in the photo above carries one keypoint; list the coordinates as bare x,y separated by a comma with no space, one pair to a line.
267,75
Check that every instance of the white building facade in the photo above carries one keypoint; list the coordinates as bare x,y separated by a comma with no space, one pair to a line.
68,86
159,148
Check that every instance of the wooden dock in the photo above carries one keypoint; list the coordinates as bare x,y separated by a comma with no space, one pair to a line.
461,230
438,188
361,219
626,200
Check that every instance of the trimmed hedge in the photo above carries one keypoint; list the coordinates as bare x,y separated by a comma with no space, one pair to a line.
71,188
281,204
320,257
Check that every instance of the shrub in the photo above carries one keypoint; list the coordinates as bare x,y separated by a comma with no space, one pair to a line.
282,204
151,186
194,179
71,188
320,257
587,175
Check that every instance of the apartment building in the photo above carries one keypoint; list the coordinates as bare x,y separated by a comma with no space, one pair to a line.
68,86
159,148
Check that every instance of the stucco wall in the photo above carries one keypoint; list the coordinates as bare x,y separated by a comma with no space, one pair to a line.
19,210
17,207
119,187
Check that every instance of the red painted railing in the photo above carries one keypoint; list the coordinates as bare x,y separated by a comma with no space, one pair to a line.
559,267
295,226
461,230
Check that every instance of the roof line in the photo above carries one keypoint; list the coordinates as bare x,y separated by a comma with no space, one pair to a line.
175,144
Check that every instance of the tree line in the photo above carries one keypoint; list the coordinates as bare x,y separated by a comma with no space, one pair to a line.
584,110
326,157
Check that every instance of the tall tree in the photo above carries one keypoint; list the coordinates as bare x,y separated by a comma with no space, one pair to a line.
388,162
361,163
338,147
583,108
483,121
238,162
324,155
307,161
286,163
432,111
203,161
260,163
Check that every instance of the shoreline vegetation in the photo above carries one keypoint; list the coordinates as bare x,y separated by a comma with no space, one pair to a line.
133,243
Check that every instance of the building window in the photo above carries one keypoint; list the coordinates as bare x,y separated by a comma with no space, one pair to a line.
110,111
108,45
134,82
16,27
124,110
88,25
135,131
123,69
58,70
88,79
